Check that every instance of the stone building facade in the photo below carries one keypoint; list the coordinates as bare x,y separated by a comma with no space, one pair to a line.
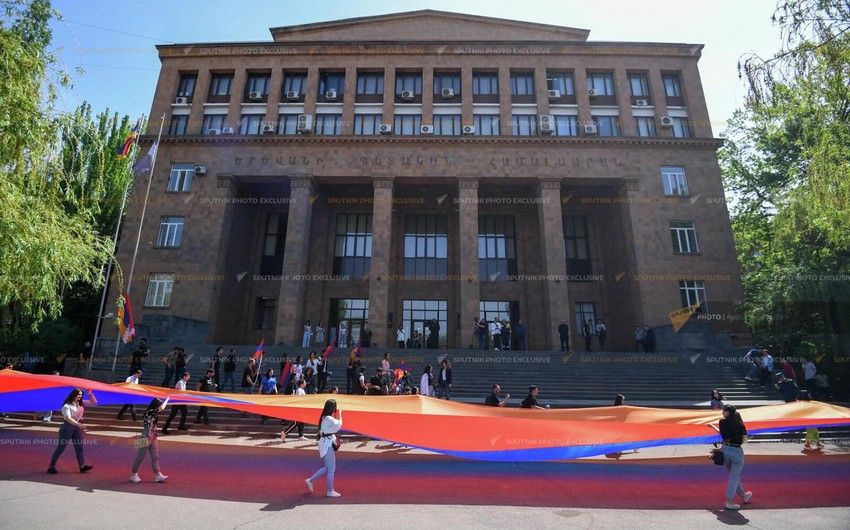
391,170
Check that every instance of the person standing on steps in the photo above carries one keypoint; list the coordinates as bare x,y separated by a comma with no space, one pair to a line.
230,371
268,385
148,442
496,333
343,335
734,433
72,429
444,380
601,334
182,409
587,333
206,384
564,334
330,422
181,362
133,379
168,362
401,337
305,337
216,366
519,335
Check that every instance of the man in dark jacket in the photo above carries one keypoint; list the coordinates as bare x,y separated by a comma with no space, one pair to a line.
444,380
519,335
564,332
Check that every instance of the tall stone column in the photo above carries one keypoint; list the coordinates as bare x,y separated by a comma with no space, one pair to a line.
237,92
556,306
379,285
291,302
467,241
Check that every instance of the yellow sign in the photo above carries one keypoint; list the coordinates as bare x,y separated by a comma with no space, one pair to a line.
679,317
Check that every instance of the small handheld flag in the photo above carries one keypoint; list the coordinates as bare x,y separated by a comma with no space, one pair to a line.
329,350
258,353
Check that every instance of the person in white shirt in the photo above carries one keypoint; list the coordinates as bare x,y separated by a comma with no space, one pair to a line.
496,332
313,362
386,373
299,391
72,429
330,422
182,409
401,337
809,373
426,383
308,332
133,379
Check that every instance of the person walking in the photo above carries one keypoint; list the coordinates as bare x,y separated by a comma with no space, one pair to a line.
530,401
148,443
216,366
206,384
809,373
139,355
564,333
249,376
444,380
734,433
180,386
587,333
72,429
492,399
305,337
299,391
268,385
133,379
180,364
230,371
330,422
426,382
601,334
168,362
496,333
812,435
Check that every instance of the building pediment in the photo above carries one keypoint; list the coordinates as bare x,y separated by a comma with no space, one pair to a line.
427,25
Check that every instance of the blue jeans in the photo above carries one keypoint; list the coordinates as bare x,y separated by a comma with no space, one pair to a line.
305,340
231,378
733,459
482,341
166,381
328,469
69,434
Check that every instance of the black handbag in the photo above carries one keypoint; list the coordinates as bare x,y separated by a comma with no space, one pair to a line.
717,456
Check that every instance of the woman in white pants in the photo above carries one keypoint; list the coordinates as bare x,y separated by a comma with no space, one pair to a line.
330,422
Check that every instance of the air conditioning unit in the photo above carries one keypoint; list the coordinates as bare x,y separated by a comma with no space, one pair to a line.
447,93
228,130
554,94
180,100
547,124
591,92
330,95
642,102
468,129
292,95
200,170
386,128
268,128
304,124
426,129
213,132
255,95
666,122
589,129
407,95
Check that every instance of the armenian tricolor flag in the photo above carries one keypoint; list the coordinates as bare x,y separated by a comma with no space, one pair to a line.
329,350
356,353
258,353
124,318
398,373
127,146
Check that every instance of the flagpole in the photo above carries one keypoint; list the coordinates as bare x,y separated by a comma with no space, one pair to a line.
139,233
111,258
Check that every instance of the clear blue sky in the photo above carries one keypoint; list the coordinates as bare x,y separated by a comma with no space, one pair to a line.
121,69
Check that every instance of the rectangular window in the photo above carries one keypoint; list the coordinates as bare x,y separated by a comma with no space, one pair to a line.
170,232
264,313
522,83
447,124
274,239
566,125
180,179
504,310
370,83
674,181
681,128
353,245
331,81
639,85
257,83
684,237
354,312
601,83
367,124
407,124
425,245
645,126
220,84
423,318
672,87
585,311
607,125
178,125
287,124
213,123
485,84
524,124
328,124
487,124
408,82
693,292
186,86
447,80
159,290
294,82
562,82
576,245
251,123
496,247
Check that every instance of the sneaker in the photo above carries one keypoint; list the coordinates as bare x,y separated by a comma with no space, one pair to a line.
85,469
183,428
160,477
135,478
309,484
46,420
52,470
747,496
333,494
732,506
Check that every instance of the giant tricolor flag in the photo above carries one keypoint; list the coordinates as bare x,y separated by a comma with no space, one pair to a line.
127,146
124,318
